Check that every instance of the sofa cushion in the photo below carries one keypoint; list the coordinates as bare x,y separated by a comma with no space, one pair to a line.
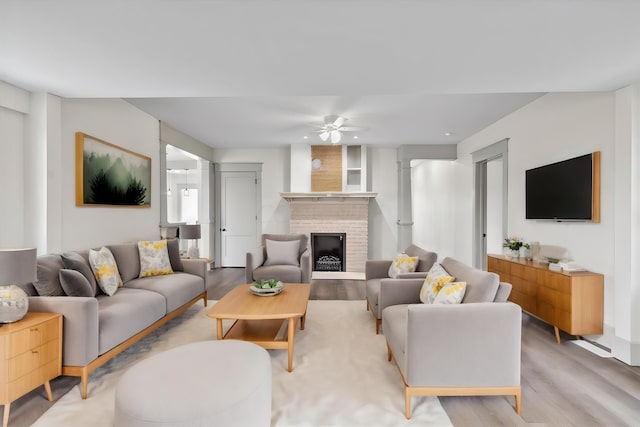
75,284
173,248
403,263
433,283
125,314
79,262
48,283
105,269
426,258
482,286
177,289
128,260
154,258
282,253
451,293
285,273
302,238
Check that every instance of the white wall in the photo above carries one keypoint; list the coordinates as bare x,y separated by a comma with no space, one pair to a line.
432,189
494,207
12,175
119,123
383,210
552,128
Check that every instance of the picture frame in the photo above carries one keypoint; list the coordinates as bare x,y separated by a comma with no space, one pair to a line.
110,175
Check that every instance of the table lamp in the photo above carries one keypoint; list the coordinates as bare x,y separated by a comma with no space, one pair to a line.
17,267
191,232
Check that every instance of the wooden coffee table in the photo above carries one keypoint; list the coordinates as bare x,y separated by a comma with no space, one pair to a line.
259,319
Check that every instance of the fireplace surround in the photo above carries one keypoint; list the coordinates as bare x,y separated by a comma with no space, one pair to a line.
328,251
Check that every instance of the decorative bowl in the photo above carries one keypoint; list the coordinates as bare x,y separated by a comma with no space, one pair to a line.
266,288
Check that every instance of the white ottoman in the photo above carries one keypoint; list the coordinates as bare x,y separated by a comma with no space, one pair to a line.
211,383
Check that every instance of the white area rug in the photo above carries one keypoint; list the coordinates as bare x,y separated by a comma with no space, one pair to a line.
341,376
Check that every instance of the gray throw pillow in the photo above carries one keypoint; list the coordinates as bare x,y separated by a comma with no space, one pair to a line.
282,252
75,284
75,261
48,283
173,247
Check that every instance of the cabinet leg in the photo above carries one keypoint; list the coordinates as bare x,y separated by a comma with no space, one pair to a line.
557,334
47,387
5,417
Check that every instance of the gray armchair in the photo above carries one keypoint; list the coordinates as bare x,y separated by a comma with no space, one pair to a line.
472,348
280,258
377,271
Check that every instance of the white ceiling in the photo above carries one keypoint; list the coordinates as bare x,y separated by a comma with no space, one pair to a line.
253,73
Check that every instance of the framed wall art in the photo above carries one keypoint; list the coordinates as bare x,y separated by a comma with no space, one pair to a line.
109,175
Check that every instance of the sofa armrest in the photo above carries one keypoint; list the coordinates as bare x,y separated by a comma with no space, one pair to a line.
255,258
80,326
376,268
504,290
480,343
195,266
399,291
305,265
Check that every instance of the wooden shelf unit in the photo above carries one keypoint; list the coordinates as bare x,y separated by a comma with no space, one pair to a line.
30,356
573,302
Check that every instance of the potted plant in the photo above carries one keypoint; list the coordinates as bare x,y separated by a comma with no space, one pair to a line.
512,246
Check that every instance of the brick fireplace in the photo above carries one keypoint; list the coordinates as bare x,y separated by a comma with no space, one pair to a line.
334,213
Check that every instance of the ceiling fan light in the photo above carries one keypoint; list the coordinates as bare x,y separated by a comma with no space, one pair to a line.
324,136
335,136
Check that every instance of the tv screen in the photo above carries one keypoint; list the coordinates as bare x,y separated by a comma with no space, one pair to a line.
562,191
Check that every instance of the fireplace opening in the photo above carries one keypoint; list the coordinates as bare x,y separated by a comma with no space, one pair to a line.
328,251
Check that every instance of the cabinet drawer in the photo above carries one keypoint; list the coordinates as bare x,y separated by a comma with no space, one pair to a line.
555,281
523,286
556,298
522,271
32,337
527,303
34,379
33,359
497,266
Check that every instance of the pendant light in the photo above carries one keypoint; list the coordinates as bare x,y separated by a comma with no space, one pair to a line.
186,183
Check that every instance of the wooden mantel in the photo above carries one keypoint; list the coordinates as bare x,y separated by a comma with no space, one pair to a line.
328,195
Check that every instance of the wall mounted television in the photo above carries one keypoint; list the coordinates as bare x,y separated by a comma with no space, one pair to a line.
564,191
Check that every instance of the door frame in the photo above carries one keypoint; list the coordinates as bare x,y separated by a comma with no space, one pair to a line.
219,168
480,159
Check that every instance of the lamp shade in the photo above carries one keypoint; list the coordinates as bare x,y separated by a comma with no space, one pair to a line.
191,231
18,266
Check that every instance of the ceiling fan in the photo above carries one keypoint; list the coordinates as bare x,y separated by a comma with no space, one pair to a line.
333,128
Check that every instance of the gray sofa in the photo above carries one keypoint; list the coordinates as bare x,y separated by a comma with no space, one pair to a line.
95,329
472,348
377,271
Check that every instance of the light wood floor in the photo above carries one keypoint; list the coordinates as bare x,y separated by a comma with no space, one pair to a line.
563,385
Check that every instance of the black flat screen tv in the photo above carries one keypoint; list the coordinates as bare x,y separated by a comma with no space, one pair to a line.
564,191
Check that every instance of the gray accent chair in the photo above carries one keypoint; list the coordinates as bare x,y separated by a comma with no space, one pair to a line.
256,258
472,348
377,271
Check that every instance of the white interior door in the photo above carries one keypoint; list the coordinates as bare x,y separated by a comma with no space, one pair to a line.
238,217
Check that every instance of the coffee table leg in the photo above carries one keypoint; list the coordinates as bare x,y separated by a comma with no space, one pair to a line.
219,328
291,330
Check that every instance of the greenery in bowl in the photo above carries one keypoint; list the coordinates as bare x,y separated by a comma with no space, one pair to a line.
267,284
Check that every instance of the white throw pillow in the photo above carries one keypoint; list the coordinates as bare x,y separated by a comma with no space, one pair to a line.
451,293
104,267
433,283
403,263
154,258
282,252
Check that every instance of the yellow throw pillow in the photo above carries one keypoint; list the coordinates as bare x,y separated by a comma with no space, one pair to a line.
104,267
451,293
433,283
403,263
154,258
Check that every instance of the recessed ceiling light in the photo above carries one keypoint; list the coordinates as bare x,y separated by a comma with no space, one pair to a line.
305,137
448,134
355,136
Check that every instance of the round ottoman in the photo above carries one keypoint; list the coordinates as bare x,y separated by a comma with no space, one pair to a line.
211,383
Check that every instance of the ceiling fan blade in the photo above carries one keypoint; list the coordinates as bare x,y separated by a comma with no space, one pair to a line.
351,129
339,121
335,136
324,136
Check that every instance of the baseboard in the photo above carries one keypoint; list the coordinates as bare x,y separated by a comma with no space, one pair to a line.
337,275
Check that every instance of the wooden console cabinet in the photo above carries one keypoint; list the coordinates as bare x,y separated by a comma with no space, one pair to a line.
573,302
30,356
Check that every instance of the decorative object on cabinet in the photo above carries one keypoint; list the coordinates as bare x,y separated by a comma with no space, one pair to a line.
573,302
30,356
191,232
17,267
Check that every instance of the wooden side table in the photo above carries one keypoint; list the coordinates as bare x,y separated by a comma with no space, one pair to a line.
30,356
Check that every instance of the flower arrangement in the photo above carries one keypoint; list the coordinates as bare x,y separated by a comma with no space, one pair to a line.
513,243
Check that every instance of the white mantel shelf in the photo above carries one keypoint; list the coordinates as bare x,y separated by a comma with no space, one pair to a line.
328,196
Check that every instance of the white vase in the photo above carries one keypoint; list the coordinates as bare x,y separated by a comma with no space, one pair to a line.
511,253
